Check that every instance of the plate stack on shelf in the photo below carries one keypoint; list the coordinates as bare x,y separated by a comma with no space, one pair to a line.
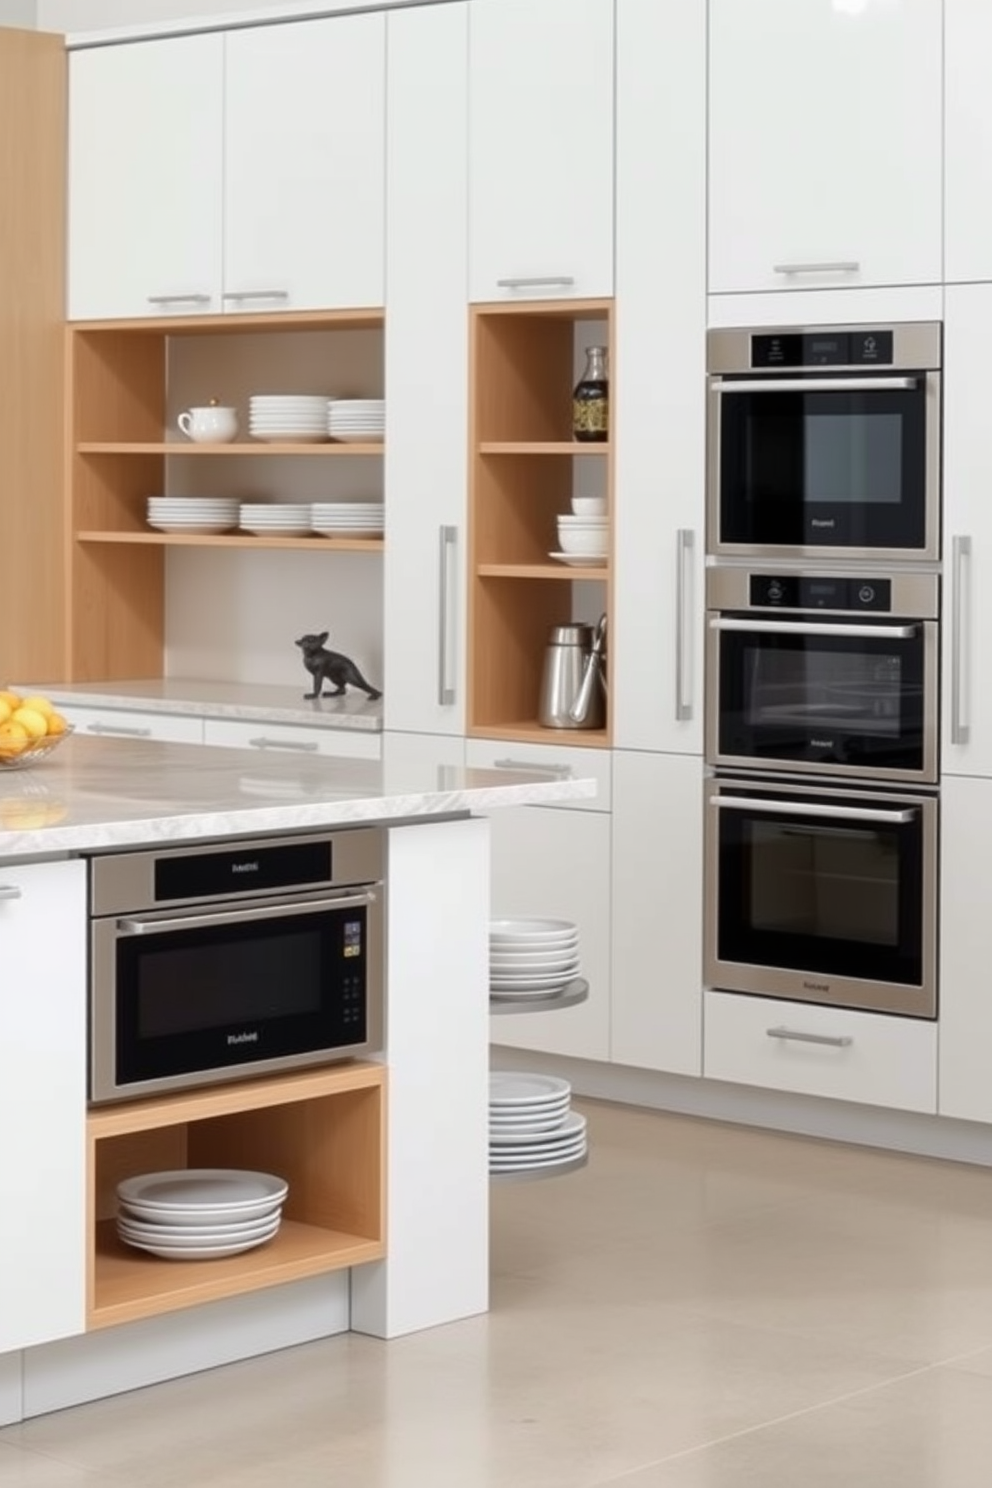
532,1129
275,519
203,514
348,518
196,1214
293,418
357,420
532,958
583,540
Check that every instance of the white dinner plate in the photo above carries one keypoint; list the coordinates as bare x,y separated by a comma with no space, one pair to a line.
529,930
169,1252
512,1088
205,528
572,1128
213,1234
187,1193
582,560
532,986
533,961
274,438
508,1162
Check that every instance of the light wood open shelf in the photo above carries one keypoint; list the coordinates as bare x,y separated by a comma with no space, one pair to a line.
526,731
197,451
364,319
323,1130
557,571
541,447
236,540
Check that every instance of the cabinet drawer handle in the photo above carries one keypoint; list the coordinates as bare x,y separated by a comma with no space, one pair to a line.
119,728
263,743
960,612
546,281
835,1041
10,891
827,266
256,294
564,771
684,543
447,537
179,299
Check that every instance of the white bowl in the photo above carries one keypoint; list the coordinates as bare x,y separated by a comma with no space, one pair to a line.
572,523
591,544
589,506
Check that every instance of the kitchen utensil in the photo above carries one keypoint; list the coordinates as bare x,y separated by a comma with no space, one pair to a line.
565,657
589,707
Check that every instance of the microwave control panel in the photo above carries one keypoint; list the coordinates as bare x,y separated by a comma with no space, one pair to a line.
827,348
803,592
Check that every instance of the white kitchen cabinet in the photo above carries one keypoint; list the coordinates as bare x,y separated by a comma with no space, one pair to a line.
132,723
146,178
657,975
967,140
560,760
42,1101
304,199
825,144
659,368
426,371
556,864
965,1008
966,734
541,149
263,737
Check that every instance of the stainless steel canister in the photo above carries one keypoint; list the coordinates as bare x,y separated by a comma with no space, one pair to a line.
565,659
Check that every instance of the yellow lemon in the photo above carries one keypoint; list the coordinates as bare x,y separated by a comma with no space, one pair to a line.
12,699
5,710
56,723
38,704
13,737
32,722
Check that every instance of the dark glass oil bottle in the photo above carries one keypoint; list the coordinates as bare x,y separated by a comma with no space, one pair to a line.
591,400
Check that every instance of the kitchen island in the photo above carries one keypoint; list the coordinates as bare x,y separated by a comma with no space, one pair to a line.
60,1341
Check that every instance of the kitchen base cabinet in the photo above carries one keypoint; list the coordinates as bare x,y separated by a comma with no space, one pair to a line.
43,940
127,723
263,737
965,1010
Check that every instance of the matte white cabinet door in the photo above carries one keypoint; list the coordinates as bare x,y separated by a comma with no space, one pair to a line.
146,178
43,1102
556,864
825,143
967,140
659,409
304,183
965,1022
426,459
131,723
966,692
657,912
541,148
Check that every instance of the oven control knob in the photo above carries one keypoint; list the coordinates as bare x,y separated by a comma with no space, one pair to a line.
866,594
775,591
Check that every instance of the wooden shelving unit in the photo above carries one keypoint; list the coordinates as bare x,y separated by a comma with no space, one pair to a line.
323,1131
223,451
522,465
235,540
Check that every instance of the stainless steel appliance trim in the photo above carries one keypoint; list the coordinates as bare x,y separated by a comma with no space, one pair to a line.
833,1040
812,809
164,923
256,294
916,345
11,891
550,281
263,743
825,266
685,541
802,628
447,538
913,595
118,728
179,299
960,562
775,384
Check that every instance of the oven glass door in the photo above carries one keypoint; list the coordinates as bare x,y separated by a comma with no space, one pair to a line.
841,463
824,897
852,698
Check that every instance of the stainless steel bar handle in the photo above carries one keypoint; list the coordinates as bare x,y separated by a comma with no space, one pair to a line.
447,538
813,810
137,925
179,299
309,745
835,1041
118,728
960,561
564,772
685,541
823,266
815,384
546,281
813,628
10,891
255,294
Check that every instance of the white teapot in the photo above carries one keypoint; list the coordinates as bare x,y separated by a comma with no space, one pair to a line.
211,425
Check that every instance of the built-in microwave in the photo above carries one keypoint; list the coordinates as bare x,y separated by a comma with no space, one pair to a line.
824,442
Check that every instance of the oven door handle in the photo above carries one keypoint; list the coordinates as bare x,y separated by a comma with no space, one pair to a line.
815,384
785,627
139,925
814,810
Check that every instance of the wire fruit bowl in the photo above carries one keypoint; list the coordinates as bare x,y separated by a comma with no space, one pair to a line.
32,752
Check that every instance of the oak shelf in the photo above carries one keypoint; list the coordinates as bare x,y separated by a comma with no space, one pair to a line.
541,447
558,571
197,451
236,540
528,731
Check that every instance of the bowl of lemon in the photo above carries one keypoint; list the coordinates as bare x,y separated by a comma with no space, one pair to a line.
30,728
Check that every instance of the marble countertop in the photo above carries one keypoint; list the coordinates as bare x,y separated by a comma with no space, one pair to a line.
104,794
208,699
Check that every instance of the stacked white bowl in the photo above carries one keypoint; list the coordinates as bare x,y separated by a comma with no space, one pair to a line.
275,518
348,518
583,533
531,1126
357,420
532,957
196,1214
202,514
297,418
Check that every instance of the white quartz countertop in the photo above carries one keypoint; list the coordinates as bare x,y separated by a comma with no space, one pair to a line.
104,794
209,699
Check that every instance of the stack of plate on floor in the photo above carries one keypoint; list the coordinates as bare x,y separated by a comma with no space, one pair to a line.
531,1128
532,958
197,1214
192,513
297,419
357,420
348,518
275,519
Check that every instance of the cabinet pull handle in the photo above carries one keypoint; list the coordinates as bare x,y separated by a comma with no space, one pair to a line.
815,628
564,772
179,299
815,385
447,538
835,1040
685,542
825,266
960,634
119,728
308,745
10,891
815,811
545,281
256,294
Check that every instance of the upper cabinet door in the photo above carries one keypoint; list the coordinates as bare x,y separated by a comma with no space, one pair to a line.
540,149
304,191
967,140
825,143
146,179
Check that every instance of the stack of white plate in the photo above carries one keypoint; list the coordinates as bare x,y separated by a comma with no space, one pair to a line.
197,1214
295,418
275,518
531,1126
532,958
357,420
582,540
192,513
348,518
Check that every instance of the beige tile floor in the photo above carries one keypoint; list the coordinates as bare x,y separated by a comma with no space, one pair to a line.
704,1306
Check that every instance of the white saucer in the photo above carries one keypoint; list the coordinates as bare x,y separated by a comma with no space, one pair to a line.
582,560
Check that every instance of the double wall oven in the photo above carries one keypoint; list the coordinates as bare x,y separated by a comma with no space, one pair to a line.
822,665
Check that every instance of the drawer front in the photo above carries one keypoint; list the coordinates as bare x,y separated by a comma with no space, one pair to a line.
832,1052
568,764
343,743
127,723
